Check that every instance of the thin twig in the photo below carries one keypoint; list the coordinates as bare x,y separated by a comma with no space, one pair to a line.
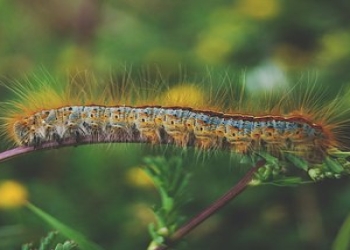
11,153
218,204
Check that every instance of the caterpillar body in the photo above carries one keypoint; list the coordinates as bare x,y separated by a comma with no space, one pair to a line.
184,115
174,125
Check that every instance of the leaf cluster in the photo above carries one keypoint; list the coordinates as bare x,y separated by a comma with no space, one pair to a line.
171,180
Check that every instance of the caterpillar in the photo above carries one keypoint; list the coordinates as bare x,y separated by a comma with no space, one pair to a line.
47,112
173,125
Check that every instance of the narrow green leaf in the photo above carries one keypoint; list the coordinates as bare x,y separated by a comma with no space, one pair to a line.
297,161
334,166
342,241
338,153
269,158
286,182
81,240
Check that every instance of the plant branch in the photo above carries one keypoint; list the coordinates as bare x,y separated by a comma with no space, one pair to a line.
12,153
88,139
218,204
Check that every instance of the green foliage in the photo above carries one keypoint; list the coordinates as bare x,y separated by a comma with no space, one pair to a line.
48,243
280,171
171,180
274,172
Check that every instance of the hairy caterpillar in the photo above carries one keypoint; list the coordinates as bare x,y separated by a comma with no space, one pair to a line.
177,125
85,110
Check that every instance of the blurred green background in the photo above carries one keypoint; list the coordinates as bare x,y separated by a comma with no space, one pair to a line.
99,190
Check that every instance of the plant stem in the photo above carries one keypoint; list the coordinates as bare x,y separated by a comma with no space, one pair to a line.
88,139
218,204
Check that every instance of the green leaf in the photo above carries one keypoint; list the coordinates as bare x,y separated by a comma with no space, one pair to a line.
171,180
338,154
286,182
334,166
269,158
82,242
297,161
342,241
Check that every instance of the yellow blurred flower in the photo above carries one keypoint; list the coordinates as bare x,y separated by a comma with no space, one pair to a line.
227,32
215,43
74,58
137,177
213,50
259,9
185,95
12,194
335,46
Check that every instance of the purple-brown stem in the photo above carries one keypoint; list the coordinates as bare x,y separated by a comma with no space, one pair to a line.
88,139
218,204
